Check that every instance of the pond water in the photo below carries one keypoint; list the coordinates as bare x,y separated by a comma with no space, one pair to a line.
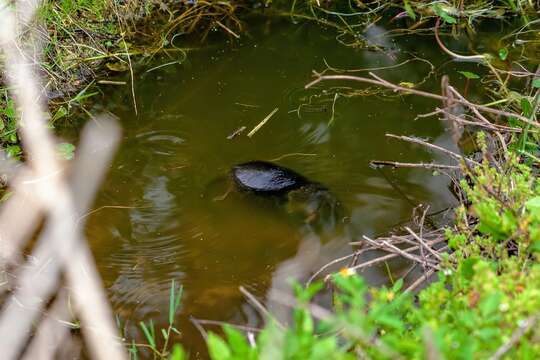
160,214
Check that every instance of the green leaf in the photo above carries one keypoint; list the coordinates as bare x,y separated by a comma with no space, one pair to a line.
503,54
536,83
13,138
237,342
469,75
526,107
443,14
171,302
133,351
397,286
149,333
218,348
178,353
65,151
467,268
409,9
389,321
488,333
533,205
490,304
174,301
13,151
10,109
535,246
324,349
60,113
306,294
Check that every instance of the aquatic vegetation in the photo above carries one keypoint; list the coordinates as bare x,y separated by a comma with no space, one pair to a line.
164,336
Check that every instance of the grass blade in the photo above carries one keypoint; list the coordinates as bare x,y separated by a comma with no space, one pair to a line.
148,333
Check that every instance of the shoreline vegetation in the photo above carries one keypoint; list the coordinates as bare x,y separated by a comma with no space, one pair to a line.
478,295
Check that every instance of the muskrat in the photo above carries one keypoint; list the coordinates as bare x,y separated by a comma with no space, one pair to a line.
263,177
312,200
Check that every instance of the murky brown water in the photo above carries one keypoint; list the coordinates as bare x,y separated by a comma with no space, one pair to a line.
157,217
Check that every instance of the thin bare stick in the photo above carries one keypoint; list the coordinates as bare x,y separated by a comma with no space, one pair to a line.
433,146
481,117
336,261
132,78
451,53
420,280
381,82
317,311
523,328
429,166
423,243
199,327
374,82
389,247
228,30
390,256
260,307
487,126
224,323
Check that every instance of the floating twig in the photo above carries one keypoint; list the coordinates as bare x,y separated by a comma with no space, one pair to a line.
236,132
111,82
228,30
429,166
261,124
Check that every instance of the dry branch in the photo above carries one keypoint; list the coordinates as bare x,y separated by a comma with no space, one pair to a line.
405,90
435,147
429,166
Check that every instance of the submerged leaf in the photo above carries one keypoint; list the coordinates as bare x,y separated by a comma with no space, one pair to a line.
406,84
117,66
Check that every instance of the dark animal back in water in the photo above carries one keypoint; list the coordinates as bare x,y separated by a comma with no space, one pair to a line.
267,178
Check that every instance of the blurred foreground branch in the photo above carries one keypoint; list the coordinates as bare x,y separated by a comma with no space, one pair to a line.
43,189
